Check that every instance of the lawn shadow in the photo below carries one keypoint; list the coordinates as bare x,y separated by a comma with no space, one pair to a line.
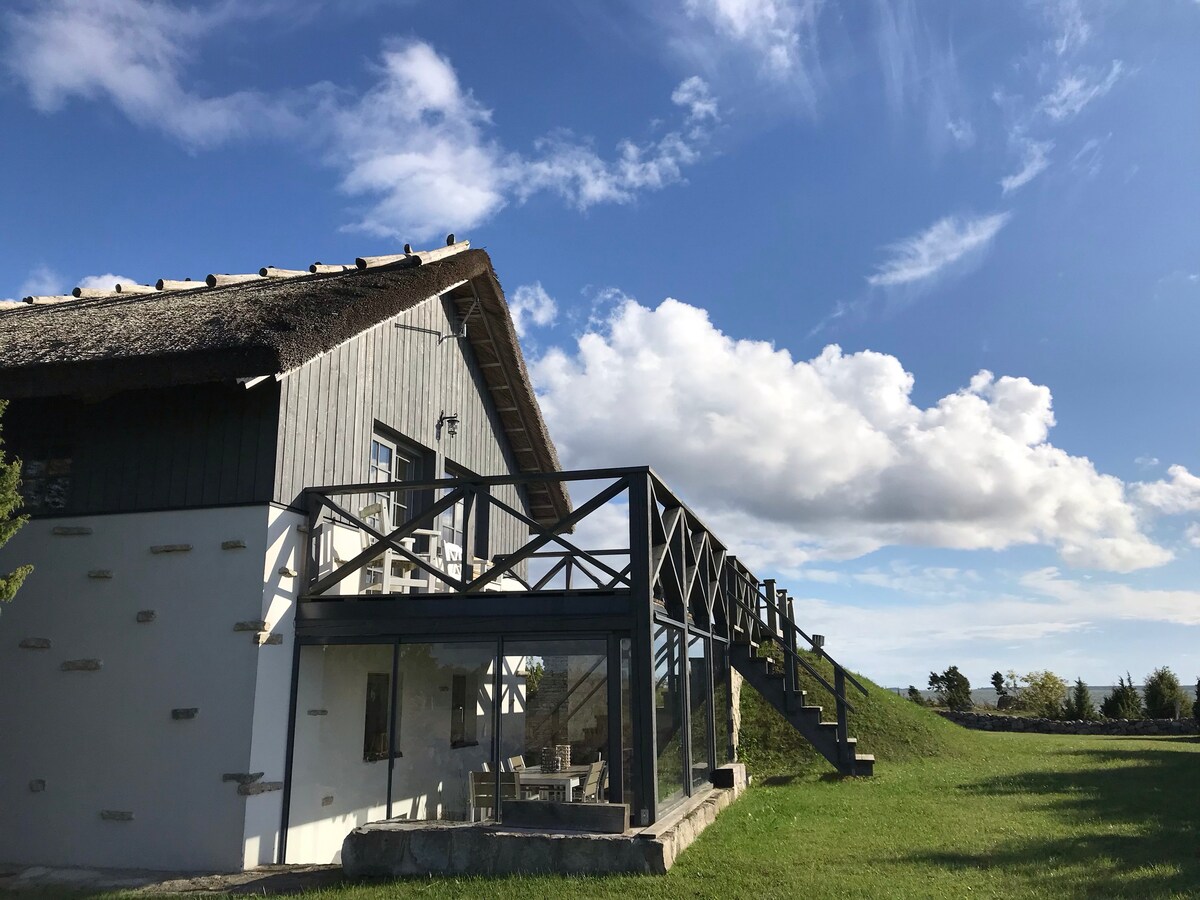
1157,792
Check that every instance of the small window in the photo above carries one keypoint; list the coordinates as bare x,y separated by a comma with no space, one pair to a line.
463,710
375,730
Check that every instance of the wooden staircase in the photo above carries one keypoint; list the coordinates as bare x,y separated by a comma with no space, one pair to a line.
766,617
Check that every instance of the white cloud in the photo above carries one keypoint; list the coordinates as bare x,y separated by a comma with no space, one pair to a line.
1192,534
132,52
1075,91
1035,160
962,132
106,282
796,461
1089,160
1178,493
416,145
531,305
1111,600
945,242
1068,20
694,95
1146,462
777,39
42,281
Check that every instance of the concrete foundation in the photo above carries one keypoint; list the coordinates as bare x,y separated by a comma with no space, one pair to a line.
459,848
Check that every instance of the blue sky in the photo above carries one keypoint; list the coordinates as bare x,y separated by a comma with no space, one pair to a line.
902,297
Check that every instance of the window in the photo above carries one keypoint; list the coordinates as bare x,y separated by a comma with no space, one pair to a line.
392,462
464,689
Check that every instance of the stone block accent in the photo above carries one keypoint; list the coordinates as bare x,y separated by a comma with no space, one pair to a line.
70,530
100,573
116,815
251,625
237,544
259,787
186,712
287,572
266,637
318,712
170,548
327,800
34,644
82,665
146,615
37,785
730,775
242,777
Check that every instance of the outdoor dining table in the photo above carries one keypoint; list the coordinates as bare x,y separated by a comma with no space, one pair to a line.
558,786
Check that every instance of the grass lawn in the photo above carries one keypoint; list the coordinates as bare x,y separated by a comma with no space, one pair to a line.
951,813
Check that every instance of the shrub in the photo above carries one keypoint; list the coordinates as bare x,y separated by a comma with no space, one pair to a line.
1042,694
1162,695
952,687
1080,705
1123,702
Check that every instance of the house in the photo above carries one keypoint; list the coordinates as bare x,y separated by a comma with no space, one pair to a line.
305,558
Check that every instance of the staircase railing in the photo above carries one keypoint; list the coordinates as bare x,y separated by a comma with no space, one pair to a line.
768,614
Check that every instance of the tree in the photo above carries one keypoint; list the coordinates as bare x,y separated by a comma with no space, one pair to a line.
952,687
1004,699
1080,705
10,501
1123,702
1162,695
1043,694
915,696
1196,705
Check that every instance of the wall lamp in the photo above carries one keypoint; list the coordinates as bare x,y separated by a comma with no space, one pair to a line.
448,421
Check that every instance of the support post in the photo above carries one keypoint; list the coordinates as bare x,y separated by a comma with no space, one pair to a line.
644,811
772,617
311,563
789,651
843,725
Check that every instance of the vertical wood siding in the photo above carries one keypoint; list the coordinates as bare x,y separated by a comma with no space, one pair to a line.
186,447
402,379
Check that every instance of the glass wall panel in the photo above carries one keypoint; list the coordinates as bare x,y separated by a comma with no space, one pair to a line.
668,714
556,695
722,711
340,760
699,710
444,730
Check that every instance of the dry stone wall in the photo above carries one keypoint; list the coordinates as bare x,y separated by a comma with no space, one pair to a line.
1134,727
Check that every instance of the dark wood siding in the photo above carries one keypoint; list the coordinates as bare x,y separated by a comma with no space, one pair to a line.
401,378
203,445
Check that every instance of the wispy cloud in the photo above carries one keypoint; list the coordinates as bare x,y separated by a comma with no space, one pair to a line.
1089,159
42,280
1076,90
1072,29
1035,160
133,53
928,253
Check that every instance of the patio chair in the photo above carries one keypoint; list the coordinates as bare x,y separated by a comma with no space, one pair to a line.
589,791
516,763
483,792
399,574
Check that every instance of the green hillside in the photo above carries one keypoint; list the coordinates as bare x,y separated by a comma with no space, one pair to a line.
891,727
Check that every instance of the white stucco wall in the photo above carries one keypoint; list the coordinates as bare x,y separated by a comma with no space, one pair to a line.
106,740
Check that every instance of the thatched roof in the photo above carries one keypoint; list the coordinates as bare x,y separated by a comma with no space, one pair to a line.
262,327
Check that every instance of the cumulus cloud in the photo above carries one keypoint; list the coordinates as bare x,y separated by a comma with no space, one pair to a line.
1035,159
1178,493
1076,90
829,457
531,305
695,96
132,52
927,253
1192,534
